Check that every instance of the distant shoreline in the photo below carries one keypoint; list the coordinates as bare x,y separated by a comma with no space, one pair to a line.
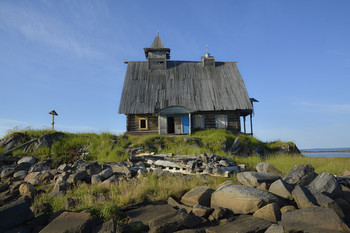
322,151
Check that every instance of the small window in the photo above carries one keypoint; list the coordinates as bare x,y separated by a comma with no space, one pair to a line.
143,124
160,62
199,121
221,121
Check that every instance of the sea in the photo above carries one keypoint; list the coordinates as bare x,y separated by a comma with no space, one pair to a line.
326,152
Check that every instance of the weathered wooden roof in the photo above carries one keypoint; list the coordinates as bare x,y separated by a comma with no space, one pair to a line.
183,83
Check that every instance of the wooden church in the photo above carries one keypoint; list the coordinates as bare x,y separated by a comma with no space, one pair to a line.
180,97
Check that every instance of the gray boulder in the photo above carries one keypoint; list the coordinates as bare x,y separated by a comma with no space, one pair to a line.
327,184
254,179
20,174
241,199
325,201
313,219
121,168
27,159
271,212
41,166
267,168
281,189
303,197
242,224
275,228
77,176
14,214
106,173
198,195
70,222
301,175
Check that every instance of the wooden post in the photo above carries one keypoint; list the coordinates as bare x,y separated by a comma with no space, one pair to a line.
251,123
190,125
245,131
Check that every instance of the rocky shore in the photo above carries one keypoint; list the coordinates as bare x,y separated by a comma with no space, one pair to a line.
264,200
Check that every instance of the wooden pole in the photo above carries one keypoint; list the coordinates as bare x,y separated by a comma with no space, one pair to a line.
245,131
53,122
190,125
251,123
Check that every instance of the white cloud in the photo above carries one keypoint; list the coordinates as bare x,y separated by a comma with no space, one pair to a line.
8,124
43,29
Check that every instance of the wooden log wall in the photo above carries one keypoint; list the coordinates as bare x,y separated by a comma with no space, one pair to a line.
233,120
133,121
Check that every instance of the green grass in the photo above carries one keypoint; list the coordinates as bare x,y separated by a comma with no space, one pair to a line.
147,188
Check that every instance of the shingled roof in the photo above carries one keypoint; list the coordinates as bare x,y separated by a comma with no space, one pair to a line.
184,83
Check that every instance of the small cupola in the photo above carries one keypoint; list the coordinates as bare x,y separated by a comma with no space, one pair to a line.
207,60
157,54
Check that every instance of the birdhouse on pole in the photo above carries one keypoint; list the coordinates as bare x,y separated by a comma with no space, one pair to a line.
53,113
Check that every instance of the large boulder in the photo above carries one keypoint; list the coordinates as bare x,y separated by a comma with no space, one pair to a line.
301,175
241,199
271,212
303,197
14,214
282,189
47,140
173,222
28,159
325,201
77,176
313,219
254,179
267,168
198,195
242,224
327,184
275,228
141,217
70,222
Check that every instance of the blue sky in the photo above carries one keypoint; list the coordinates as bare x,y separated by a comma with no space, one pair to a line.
294,57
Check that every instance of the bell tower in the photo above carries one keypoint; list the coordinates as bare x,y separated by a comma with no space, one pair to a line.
157,54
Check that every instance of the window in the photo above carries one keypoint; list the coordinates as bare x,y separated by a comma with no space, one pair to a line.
221,121
143,124
199,121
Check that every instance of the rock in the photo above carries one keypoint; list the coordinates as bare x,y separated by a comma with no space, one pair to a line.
202,211
96,179
121,168
93,168
287,208
19,229
29,159
140,217
4,186
325,201
282,189
14,214
301,175
47,140
64,167
41,208
105,174
198,195
61,187
242,224
267,168
344,205
313,219
77,176
303,197
326,184
38,223
174,203
11,141
107,227
275,228
346,173
173,221
111,181
41,166
7,172
241,199
270,212
20,174
70,222
27,189
254,179
219,213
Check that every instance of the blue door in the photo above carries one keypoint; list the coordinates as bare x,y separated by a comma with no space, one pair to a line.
185,124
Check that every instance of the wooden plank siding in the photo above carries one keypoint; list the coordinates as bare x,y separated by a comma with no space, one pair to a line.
233,120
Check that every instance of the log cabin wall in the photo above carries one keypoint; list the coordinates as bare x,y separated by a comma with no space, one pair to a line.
233,120
133,123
